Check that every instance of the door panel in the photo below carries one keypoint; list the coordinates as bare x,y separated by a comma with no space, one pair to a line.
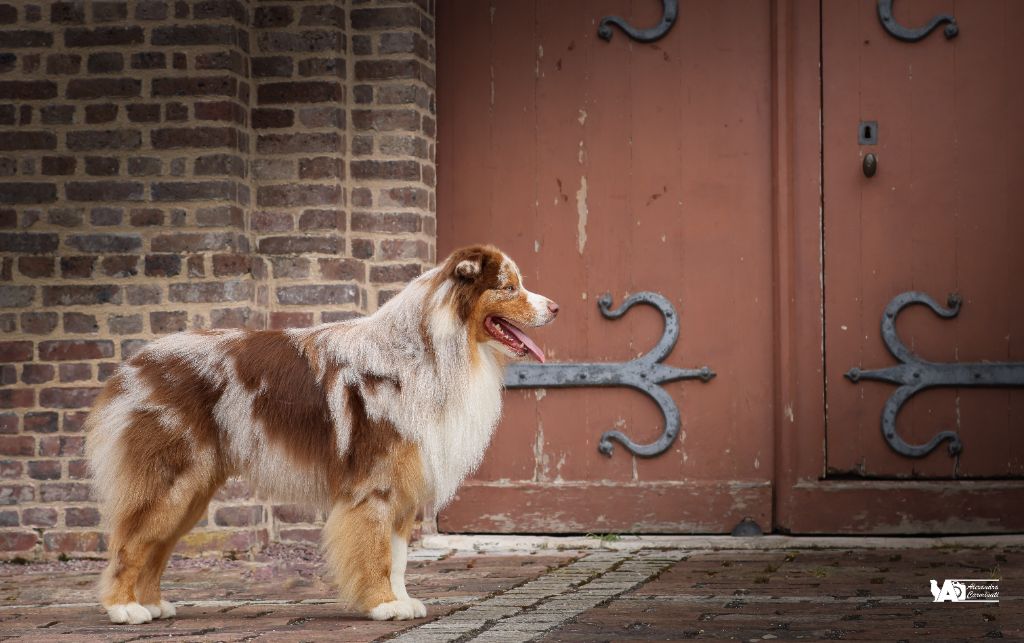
618,167
942,215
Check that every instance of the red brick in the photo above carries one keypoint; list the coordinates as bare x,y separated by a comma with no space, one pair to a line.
10,470
391,222
37,373
342,269
67,13
44,470
92,88
14,398
168,322
391,249
322,117
318,295
109,11
80,323
394,273
194,191
193,242
386,170
143,112
298,92
61,445
105,62
274,16
141,295
38,323
321,167
74,421
236,318
300,245
269,118
301,41
35,267
205,86
294,514
75,541
298,143
105,242
40,422
25,140
386,120
121,325
163,265
362,248
185,137
386,18
323,67
210,291
272,66
59,165
282,319
15,38
227,60
17,445
196,35
28,243
18,193
409,69
75,349
149,60
68,398
89,140
229,164
81,517
298,195
238,516
15,351
119,265
28,89
220,111
77,266
11,541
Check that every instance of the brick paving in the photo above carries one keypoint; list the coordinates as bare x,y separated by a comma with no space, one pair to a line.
786,592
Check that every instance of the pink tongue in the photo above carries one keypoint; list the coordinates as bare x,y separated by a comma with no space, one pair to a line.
524,338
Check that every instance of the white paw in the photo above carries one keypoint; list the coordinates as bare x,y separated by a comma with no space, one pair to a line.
163,610
167,610
393,611
419,610
129,613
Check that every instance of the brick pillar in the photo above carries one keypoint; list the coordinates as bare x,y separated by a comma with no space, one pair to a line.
392,150
148,185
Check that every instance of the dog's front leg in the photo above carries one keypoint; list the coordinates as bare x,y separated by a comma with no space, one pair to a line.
358,540
399,555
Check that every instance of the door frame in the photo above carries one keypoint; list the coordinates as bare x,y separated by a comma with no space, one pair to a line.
804,500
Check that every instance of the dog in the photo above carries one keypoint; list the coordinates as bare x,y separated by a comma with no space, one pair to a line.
369,420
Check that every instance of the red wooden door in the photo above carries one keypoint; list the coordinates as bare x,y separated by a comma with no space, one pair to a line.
618,167
941,215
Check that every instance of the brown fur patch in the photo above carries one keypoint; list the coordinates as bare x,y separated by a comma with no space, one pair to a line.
466,292
290,404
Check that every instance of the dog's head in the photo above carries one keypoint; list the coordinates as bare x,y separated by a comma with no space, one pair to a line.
487,292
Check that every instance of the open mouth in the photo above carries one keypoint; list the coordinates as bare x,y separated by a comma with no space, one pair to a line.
508,334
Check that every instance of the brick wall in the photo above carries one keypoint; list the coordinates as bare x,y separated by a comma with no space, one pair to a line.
167,165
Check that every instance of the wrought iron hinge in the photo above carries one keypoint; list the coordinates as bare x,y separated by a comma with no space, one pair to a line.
906,34
669,11
645,373
915,374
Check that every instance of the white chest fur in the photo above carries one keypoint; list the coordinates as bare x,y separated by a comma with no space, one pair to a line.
454,447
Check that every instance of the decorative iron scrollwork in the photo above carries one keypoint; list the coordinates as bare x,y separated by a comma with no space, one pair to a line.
915,374
670,9
896,30
645,373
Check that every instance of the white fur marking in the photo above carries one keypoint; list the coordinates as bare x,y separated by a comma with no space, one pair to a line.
132,613
393,611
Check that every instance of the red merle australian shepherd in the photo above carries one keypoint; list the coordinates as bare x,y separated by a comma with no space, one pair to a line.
369,419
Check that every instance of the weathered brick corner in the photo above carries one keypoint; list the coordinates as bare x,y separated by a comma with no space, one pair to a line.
172,164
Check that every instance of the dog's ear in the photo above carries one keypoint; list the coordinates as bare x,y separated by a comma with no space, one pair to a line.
469,269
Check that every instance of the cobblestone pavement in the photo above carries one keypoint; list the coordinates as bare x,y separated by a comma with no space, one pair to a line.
810,590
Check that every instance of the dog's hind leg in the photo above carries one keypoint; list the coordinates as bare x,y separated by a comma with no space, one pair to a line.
358,545
147,588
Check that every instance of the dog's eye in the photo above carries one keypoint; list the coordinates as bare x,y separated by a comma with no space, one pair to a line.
510,288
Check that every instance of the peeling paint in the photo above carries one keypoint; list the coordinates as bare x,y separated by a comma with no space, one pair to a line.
582,212
536,246
582,153
540,393
582,118
788,411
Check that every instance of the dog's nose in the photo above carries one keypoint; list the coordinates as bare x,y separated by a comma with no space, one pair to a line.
553,307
